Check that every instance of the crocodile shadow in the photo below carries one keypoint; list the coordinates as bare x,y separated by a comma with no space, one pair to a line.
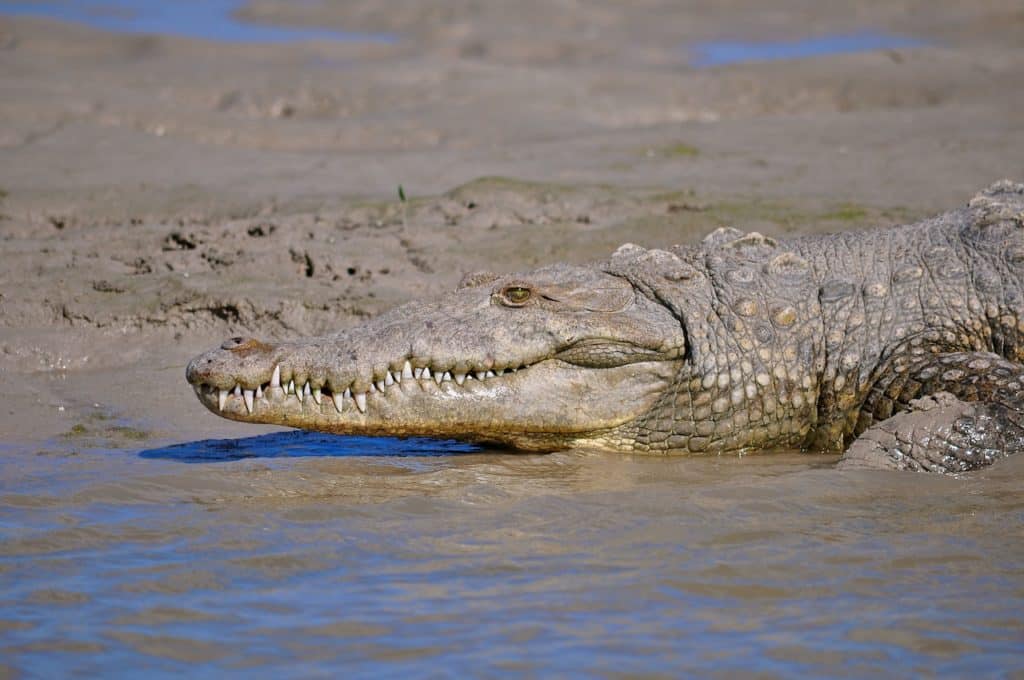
301,444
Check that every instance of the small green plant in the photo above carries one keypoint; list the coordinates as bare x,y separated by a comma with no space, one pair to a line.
405,204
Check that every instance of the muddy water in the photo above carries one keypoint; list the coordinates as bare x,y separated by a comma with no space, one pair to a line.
307,555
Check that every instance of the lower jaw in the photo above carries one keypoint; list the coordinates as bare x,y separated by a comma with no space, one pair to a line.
318,417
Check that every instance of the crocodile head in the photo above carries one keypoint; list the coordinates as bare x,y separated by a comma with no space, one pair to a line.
561,356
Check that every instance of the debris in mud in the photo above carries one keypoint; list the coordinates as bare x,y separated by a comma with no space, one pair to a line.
142,266
104,286
686,207
261,230
305,260
227,312
178,241
218,259
60,221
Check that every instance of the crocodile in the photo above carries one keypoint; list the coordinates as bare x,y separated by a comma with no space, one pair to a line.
901,346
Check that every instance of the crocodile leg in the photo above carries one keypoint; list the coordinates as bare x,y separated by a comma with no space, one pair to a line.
952,412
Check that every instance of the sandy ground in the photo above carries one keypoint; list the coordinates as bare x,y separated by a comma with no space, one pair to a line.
158,194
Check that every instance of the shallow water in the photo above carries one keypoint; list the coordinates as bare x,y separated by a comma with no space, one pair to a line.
308,555
724,52
205,19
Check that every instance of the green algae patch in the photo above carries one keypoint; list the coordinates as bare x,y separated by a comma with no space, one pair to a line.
99,434
77,430
130,433
681,150
847,212
673,150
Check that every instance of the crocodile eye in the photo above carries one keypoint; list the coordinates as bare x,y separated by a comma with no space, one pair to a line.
516,295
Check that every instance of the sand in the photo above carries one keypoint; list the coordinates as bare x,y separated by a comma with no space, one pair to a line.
159,193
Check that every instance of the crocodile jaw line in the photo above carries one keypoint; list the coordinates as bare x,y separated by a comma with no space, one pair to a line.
541,406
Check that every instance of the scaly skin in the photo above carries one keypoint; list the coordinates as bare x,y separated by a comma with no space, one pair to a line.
904,342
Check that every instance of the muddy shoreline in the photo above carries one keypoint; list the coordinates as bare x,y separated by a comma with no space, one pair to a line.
159,193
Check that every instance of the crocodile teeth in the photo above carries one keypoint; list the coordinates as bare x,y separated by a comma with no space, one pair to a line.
299,394
291,387
459,377
317,396
490,374
337,402
479,375
275,380
238,390
438,377
407,371
361,402
389,379
426,373
222,398
259,391
417,373
373,388
247,395
380,385
447,377
348,393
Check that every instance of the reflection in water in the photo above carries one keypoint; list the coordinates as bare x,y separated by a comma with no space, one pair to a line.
204,19
487,563
723,52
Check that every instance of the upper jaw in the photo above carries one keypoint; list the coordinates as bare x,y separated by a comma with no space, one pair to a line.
278,395
327,370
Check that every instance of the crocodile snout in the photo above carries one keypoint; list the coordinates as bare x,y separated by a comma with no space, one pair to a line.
237,360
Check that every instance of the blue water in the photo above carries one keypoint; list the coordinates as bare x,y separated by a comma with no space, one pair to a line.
723,52
203,19
302,555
